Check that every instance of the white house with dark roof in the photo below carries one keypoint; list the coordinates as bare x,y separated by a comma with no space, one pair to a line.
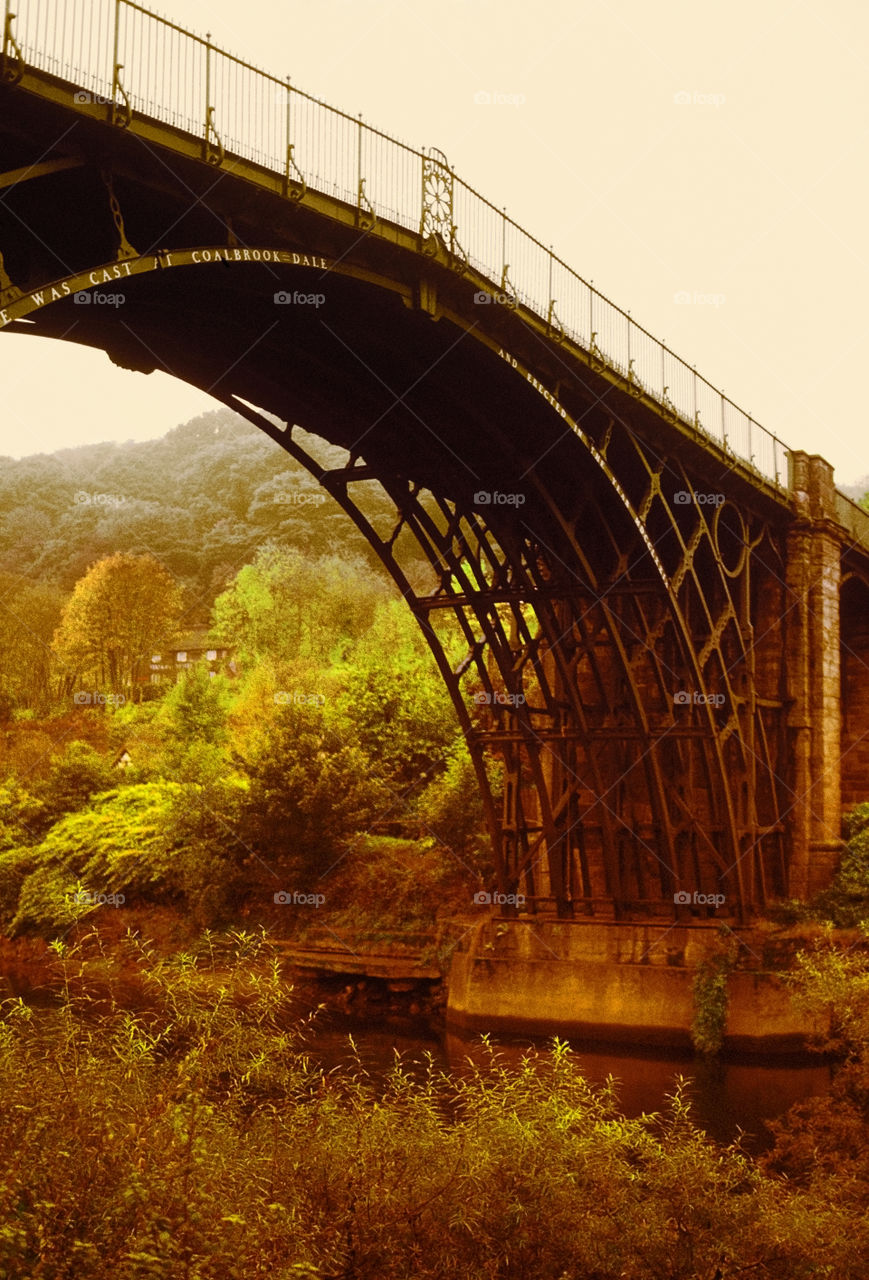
184,650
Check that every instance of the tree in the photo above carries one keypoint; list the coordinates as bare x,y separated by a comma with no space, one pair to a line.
452,808
29,615
395,703
79,773
287,606
194,709
124,607
309,790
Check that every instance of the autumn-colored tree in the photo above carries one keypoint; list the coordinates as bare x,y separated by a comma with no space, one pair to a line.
123,608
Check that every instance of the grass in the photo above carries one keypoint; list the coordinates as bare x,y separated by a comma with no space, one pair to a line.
193,1139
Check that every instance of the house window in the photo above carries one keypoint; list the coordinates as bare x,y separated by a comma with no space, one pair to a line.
181,655
211,654
156,658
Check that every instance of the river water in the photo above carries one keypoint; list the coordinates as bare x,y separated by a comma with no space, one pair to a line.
727,1096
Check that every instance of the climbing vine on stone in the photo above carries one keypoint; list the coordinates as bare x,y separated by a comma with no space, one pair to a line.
711,1001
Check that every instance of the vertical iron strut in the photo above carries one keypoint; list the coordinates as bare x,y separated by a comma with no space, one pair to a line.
8,290
122,118
294,188
124,249
212,144
11,75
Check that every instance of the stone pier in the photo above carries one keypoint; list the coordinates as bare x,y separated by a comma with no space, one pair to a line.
619,982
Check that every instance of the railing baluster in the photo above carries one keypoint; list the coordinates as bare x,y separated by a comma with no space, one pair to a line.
207,89
289,143
695,395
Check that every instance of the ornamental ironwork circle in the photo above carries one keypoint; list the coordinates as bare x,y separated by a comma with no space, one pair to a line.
731,539
437,194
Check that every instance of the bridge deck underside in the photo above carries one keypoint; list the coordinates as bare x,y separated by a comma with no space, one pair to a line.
614,646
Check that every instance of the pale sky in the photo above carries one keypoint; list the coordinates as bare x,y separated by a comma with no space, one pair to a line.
749,196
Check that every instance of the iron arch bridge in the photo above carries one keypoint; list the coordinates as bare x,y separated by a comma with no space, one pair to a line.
633,589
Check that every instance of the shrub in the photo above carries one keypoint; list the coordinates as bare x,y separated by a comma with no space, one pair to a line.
309,790
711,1000
452,809
195,1140
151,841
823,1143
22,815
75,776
15,866
385,888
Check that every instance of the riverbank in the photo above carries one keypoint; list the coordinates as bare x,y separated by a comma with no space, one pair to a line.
637,985
381,1014
651,984
201,1135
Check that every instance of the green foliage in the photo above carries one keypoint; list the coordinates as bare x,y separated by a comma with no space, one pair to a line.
194,710
846,902
711,1000
28,619
823,1143
202,500
77,774
385,888
152,841
22,815
309,790
339,718
15,866
451,807
287,606
196,1140
395,703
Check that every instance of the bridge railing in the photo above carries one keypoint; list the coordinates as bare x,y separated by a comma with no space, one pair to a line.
133,59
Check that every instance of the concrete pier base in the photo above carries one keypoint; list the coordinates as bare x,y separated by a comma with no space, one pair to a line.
619,983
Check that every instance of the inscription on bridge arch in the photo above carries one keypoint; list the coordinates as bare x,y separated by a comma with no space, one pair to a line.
112,272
